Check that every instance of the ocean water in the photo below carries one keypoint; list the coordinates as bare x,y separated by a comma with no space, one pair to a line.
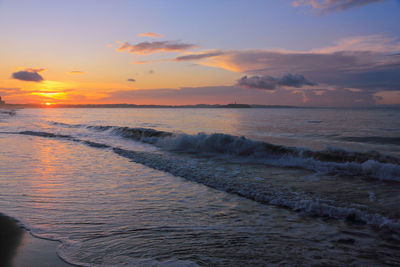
207,187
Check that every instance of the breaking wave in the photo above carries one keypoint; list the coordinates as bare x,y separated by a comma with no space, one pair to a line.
260,192
333,161
181,166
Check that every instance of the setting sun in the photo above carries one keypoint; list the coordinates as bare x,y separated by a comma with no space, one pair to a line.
48,104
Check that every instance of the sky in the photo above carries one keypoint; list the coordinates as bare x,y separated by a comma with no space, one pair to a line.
176,52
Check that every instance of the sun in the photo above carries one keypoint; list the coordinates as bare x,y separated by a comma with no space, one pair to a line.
48,104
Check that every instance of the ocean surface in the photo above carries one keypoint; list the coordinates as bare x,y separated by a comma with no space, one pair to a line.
206,187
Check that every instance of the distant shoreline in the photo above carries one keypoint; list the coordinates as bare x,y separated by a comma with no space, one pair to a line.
140,106
228,106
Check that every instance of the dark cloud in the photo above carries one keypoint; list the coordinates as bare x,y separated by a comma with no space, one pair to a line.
339,97
131,80
294,80
267,82
258,82
365,70
198,56
327,6
29,76
152,47
385,77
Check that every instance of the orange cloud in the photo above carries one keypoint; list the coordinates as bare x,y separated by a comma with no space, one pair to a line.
36,69
151,34
76,72
372,43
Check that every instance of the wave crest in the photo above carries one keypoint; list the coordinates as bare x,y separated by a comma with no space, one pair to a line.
334,161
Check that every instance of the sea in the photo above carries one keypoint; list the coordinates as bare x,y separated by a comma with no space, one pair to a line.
206,187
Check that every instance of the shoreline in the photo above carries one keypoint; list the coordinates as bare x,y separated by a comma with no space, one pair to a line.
18,247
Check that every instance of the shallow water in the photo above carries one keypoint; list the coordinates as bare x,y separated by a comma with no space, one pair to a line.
138,202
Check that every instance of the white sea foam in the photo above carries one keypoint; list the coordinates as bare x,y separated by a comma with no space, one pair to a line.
227,145
275,196
370,164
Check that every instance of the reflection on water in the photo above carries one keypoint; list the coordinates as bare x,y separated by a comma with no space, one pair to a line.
312,128
108,210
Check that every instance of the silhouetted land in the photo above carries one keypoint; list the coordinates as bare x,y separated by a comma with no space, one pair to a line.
17,106
142,106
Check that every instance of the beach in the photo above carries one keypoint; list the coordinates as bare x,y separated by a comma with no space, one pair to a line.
10,238
217,187
20,249
199,133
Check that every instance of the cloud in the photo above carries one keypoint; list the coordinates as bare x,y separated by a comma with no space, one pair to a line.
198,56
151,61
151,34
76,72
153,47
371,43
267,82
36,69
131,80
10,91
19,91
340,97
327,6
29,75
357,68
367,63
256,61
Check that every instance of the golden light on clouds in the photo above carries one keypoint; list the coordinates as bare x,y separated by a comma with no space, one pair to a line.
52,95
151,34
38,70
76,72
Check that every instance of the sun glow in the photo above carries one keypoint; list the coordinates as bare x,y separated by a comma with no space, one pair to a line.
48,104
53,95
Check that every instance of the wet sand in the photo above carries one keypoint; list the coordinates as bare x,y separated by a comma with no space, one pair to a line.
10,238
20,249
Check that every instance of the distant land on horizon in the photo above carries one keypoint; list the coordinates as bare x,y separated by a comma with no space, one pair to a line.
5,105
144,106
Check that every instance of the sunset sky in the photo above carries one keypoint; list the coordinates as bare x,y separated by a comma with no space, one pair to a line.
275,52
